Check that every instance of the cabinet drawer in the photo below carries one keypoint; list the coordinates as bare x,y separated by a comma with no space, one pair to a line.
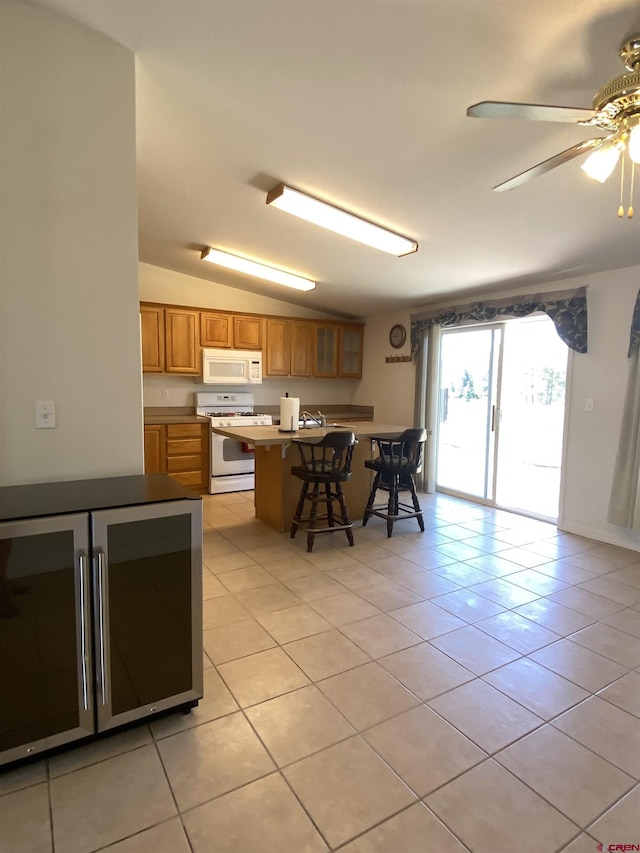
184,446
184,430
192,479
184,463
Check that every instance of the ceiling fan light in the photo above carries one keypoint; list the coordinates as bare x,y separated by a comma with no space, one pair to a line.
248,267
601,163
634,144
339,221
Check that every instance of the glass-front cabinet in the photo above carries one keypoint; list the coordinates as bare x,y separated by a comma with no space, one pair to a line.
148,615
326,350
338,350
45,635
350,365
100,621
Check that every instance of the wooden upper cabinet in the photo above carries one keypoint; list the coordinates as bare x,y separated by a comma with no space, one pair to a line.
289,347
350,352
277,355
301,335
247,332
216,330
152,331
182,341
172,338
325,354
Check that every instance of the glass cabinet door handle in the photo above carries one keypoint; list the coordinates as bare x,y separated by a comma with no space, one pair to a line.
102,640
84,621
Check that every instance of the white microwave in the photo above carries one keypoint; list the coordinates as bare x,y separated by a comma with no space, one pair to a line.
231,367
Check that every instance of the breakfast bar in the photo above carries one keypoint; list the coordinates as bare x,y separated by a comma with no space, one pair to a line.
277,491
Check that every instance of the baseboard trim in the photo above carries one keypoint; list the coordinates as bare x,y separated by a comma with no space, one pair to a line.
608,537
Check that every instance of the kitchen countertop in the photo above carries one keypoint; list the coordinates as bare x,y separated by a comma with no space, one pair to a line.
263,435
186,415
172,415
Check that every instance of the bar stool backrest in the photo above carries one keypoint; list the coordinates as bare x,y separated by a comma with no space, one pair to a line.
329,458
403,452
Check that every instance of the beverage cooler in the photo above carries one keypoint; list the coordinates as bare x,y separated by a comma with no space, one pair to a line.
100,610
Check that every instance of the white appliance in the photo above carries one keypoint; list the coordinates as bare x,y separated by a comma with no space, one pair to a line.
231,463
231,367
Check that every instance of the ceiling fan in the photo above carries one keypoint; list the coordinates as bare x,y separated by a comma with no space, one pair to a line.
616,110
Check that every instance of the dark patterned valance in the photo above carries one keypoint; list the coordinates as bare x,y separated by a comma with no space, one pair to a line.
567,309
634,339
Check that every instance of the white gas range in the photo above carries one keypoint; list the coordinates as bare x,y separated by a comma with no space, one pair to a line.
232,463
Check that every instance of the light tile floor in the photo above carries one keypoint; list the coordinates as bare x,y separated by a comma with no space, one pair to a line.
474,687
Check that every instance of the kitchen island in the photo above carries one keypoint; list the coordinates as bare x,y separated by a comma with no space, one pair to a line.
277,491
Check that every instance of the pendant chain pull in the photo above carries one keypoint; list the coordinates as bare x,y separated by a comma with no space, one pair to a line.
621,208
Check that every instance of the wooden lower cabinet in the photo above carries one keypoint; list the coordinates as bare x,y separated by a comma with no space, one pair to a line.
180,450
154,442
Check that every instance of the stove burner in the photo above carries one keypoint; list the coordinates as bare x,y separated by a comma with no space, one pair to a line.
232,415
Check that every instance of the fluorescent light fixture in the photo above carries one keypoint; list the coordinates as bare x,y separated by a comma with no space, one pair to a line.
234,262
334,219
601,163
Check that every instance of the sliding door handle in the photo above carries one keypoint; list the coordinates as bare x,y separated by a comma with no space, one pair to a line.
493,418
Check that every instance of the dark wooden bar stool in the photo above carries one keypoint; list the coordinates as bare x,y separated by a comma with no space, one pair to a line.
324,465
399,460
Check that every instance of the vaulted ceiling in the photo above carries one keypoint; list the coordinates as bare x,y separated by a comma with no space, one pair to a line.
363,104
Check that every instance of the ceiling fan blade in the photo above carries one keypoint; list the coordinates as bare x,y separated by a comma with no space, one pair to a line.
533,112
551,163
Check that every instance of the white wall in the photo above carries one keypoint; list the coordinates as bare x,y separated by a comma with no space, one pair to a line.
388,387
69,327
592,438
162,285
157,284
181,390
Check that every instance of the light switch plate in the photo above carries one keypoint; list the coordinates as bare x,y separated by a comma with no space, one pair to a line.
45,415
589,404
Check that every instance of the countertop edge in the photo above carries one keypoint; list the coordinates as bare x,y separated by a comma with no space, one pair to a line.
261,436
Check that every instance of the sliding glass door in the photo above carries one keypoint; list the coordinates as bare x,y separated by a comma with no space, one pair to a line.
501,414
469,371
533,385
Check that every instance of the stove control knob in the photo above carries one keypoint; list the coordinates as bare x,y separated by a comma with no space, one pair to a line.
228,423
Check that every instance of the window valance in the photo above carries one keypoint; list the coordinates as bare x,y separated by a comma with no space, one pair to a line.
567,309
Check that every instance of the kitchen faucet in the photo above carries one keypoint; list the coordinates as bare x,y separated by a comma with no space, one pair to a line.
321,420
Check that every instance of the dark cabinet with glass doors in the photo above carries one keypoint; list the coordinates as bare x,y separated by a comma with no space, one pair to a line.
100,611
